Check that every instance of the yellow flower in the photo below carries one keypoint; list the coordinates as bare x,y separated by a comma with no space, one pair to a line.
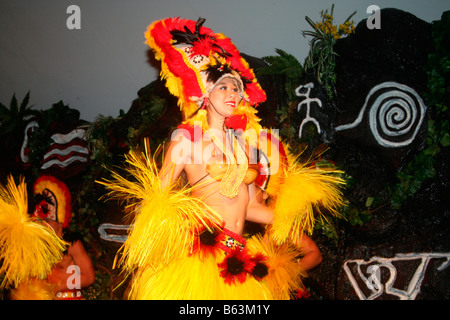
328,17
318,26
329,29
346,28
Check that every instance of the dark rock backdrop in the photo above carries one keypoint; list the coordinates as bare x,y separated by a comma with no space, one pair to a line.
401,252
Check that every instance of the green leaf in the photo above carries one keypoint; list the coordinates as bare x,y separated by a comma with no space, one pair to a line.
445,140
13,107
24,103
369,201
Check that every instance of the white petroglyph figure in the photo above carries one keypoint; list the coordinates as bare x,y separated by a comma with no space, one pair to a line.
396,113
307,102
373,282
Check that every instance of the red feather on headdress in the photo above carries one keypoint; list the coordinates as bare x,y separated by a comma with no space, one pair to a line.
177,42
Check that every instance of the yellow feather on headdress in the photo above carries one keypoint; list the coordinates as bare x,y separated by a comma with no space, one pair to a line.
307,193
165,220
27,248
245,109
198,119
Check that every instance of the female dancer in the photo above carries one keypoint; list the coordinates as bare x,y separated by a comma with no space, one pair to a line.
190,242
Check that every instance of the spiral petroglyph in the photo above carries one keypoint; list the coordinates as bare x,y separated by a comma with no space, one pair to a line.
395,116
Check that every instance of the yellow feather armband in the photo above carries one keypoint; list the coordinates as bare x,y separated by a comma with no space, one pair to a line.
307,193
166,219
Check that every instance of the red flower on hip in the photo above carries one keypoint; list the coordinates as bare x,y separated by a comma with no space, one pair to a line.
303,293
260,270
207,242
236,265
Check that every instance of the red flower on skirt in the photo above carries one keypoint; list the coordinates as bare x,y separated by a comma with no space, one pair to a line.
260,270
303,293
236,265
207,243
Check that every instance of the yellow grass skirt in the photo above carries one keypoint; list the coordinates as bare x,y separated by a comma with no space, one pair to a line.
177,248
228,267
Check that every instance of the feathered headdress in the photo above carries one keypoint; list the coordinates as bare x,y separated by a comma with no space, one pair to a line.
193,58
52,192
28,249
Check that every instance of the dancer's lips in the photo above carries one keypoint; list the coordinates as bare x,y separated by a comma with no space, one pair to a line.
230,104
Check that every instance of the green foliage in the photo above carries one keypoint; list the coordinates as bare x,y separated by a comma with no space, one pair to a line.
152,108
291,69
89,207
438,66
97,135
101,288
421,168
287,65
13,119
9,116
40,140
321,56
329,229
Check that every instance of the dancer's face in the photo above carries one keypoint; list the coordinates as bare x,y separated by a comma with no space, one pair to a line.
224,97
